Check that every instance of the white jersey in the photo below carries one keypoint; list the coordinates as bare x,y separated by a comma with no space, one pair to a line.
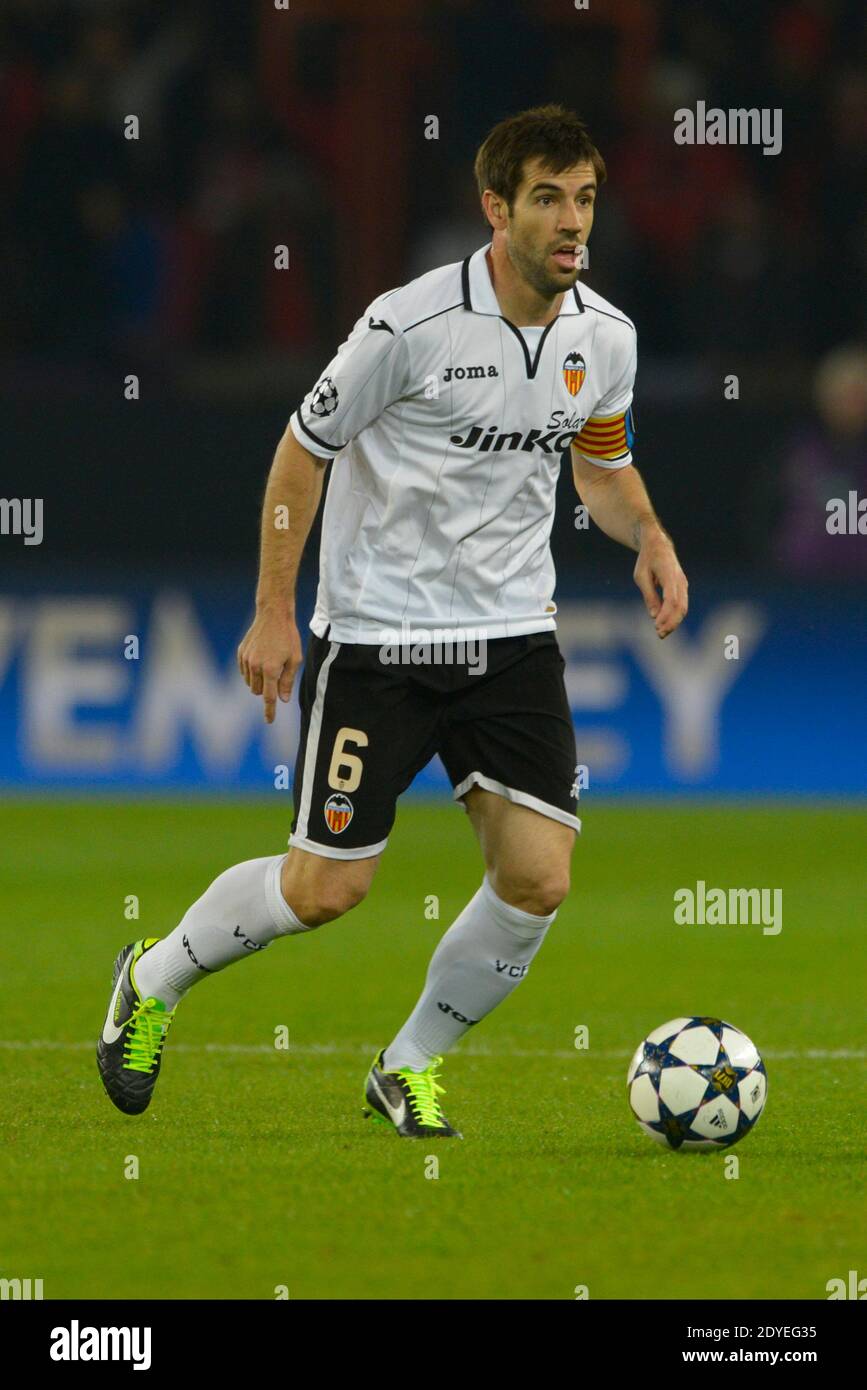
447,423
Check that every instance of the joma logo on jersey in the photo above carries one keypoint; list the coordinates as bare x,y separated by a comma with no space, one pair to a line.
468,373
491,441
338,813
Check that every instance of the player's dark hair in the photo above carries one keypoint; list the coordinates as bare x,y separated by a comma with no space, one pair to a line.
551,133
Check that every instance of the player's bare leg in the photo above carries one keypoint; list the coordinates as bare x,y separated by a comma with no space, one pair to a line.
527,855
320,889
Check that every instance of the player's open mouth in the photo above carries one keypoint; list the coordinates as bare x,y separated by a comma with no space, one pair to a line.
567,257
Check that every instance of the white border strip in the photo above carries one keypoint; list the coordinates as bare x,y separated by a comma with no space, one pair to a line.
332,851
478,779
313,731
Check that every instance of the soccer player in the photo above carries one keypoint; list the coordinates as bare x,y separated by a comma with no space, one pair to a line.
446,412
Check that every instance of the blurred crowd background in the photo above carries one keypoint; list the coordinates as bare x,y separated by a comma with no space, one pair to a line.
304,126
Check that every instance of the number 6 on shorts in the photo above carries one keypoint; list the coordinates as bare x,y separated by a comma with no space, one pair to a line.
345,769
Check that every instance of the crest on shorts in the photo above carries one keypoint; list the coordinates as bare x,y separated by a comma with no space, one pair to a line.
574,372
338,812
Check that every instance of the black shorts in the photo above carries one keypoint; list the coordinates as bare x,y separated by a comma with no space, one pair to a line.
368,727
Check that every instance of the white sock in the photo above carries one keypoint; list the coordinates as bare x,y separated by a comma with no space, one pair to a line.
241,911
484,954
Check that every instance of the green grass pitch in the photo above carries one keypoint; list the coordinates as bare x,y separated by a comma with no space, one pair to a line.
256,1168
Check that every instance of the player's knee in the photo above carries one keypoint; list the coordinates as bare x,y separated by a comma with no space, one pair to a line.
320,890
335,899
539,894
547,895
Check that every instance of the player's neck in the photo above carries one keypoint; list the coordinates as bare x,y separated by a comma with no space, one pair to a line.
518,301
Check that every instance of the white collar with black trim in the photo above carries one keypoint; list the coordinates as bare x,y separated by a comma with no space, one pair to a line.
478,291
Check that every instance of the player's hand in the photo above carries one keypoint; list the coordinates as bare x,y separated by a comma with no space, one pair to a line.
269,657
662,582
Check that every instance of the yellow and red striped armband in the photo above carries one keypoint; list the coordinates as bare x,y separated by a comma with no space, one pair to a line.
608,438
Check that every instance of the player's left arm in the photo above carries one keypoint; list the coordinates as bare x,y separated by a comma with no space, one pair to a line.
617,501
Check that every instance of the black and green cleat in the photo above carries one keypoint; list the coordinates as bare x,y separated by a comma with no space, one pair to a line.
129,1050
407,1099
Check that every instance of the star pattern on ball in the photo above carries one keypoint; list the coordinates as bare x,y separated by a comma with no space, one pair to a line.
687,1089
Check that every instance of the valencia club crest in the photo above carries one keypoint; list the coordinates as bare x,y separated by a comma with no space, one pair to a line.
574,372
338,812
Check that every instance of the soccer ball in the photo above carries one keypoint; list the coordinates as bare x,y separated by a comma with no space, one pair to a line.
697,1083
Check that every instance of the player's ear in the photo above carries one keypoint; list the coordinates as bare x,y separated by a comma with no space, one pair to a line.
495,209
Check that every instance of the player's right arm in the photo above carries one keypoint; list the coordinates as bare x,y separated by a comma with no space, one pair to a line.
271,653
368,373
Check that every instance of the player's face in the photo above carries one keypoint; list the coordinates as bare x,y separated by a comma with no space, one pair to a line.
551,219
